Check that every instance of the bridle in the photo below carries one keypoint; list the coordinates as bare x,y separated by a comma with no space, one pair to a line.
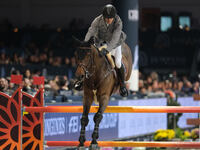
89,65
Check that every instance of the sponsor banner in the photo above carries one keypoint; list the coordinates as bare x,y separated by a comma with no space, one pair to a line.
66,126
187,101
134,124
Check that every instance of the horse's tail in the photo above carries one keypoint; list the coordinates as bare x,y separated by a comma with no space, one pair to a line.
127,59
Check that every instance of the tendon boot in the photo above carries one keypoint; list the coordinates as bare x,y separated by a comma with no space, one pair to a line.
121,75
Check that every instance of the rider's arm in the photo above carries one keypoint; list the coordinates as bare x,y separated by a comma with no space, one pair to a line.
115,37
92,29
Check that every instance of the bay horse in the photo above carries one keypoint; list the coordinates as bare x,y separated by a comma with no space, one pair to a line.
98,75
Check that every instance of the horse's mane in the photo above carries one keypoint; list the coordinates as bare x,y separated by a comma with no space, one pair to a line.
83,48
81,51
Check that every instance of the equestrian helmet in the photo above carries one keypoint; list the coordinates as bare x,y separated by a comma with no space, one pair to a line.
109,11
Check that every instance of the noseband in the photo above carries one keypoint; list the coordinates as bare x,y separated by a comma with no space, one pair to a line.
85,68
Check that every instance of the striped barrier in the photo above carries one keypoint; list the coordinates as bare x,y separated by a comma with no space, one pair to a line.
127,144
17,131
117,109
32,127
10,121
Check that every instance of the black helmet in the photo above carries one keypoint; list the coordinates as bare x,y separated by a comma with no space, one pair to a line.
109,11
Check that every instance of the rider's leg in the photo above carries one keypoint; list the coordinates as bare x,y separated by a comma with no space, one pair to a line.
117,53
121,74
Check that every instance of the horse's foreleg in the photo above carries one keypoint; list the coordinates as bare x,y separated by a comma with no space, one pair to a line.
103,102
84,123
97,119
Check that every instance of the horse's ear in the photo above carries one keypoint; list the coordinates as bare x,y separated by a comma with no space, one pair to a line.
76,41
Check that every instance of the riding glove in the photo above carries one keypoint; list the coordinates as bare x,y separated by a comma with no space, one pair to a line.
104,52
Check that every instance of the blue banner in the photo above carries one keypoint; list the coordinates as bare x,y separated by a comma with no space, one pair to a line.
135,124
66,126
187,101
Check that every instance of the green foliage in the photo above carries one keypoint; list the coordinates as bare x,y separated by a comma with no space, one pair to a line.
183,135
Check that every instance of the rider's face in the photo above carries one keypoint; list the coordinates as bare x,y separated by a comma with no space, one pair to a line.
109,20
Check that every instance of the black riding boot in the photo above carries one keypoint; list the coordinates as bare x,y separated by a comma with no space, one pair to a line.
78,85
121,75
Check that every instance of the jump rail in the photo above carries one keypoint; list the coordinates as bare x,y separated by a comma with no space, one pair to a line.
127,144
117,109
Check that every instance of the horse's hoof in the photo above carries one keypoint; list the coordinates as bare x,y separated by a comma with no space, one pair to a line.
81,148
94,147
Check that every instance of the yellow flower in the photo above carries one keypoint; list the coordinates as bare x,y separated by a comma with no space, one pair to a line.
160,136
187,134
171,134
160,130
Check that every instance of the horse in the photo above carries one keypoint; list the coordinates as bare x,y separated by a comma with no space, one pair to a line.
99,80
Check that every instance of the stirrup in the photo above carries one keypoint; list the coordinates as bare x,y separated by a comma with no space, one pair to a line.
78,85
123,91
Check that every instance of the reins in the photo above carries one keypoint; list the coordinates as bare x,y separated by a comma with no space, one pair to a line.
91,63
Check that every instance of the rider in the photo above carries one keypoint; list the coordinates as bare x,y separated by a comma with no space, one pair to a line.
107,30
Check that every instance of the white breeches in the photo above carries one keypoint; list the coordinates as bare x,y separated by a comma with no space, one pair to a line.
117,53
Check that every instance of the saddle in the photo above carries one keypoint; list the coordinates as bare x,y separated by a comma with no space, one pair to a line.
109,57
111,62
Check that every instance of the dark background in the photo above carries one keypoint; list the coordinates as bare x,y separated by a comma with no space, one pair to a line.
163,52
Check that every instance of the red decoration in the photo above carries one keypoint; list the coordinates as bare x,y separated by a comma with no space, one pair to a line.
38,80
17,79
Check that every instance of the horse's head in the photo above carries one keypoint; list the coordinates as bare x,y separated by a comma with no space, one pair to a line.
84,60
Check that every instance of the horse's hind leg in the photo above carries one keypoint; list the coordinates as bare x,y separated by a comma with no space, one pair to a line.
84,121
103,102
